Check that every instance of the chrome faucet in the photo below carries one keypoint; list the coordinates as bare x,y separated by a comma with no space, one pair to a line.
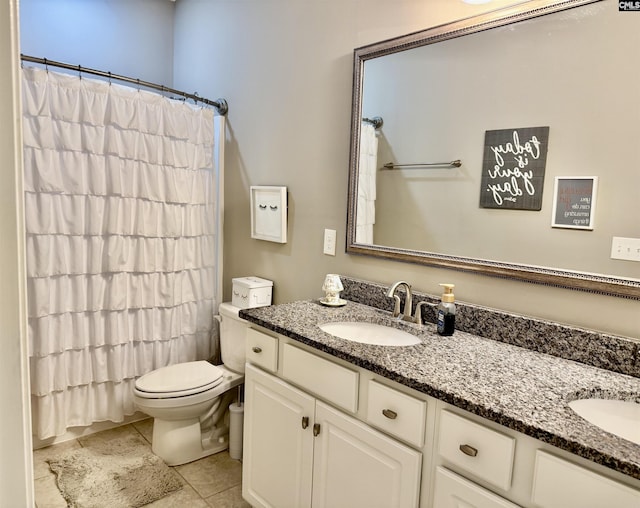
407,301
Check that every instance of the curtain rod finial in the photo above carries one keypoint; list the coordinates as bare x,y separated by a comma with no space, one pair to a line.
223,106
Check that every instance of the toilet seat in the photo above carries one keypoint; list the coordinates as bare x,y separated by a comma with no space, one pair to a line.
179,380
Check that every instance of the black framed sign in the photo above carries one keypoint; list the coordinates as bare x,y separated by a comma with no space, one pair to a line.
574,202
513,168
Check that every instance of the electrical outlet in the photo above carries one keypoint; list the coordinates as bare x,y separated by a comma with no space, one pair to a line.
625,248
329,242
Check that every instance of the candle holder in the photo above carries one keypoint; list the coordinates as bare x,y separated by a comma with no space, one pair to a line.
332,287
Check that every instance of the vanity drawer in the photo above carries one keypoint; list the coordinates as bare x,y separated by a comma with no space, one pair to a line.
396,413
262,350
332,382
477,449
578,487
453,491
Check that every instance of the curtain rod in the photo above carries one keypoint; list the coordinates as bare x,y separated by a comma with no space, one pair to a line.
220,104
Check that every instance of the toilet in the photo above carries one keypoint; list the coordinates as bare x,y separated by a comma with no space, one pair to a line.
189,401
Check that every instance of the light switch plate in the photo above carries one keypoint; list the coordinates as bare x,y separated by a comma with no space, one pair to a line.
625,248
329,242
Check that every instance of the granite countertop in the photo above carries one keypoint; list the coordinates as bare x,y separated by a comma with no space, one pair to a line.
521,389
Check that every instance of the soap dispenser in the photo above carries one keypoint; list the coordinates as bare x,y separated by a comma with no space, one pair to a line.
447,311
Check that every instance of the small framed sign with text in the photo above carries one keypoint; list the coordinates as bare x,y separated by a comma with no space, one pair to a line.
574,202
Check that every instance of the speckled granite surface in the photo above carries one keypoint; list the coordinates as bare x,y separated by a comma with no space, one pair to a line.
609,352
521,389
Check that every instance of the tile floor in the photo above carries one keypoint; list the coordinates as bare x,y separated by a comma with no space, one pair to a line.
214,481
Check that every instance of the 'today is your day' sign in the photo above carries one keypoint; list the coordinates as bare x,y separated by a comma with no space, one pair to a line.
513,168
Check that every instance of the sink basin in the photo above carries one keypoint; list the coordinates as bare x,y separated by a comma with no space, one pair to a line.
370,333
619,417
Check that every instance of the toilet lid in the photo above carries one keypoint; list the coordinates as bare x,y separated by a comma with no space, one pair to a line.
181,378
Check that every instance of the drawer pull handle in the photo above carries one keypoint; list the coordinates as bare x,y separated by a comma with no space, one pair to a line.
468,450
316,429
305,422
256,349
392,415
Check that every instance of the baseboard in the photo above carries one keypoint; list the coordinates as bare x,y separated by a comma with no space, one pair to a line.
76,432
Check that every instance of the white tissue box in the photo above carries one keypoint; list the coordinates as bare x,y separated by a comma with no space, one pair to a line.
251,292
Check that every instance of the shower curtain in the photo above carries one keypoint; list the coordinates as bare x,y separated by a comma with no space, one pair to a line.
367,171
122,242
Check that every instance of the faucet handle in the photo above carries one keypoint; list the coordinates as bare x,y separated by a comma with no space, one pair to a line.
418,318
396,305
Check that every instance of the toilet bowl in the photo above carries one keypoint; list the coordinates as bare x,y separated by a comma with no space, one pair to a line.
189,401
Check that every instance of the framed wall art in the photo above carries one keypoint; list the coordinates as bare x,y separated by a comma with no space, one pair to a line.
269,213
574,202
513,168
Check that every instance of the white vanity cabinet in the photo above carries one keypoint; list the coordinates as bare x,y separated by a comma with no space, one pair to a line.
475,448
278,445
299,452
354,465
481,464
322,432
579,487
473,462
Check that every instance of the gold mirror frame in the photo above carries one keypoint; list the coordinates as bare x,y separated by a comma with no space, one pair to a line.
594,283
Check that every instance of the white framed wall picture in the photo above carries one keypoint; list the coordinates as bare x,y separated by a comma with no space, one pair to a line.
574,202
269,213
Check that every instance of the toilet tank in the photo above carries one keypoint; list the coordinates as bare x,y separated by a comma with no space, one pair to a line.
233,331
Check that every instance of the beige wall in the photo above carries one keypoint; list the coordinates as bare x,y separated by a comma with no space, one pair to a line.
15,437
285,67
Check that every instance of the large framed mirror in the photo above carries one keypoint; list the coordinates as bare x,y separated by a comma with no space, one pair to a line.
427,108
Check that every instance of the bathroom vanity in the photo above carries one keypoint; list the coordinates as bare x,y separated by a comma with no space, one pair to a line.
451,421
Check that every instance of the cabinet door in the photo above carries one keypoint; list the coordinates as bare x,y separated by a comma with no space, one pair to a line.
558,483
278,446
356,466
453,491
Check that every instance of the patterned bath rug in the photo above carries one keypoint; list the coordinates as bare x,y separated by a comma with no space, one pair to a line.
124,475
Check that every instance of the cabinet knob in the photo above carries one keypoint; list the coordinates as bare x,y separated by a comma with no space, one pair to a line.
392,415
256,349
316,429
305,422
468,450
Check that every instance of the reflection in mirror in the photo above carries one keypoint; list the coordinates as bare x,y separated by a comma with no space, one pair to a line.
440,91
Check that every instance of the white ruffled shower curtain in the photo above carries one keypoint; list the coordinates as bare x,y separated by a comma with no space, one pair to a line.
122,242
367,174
